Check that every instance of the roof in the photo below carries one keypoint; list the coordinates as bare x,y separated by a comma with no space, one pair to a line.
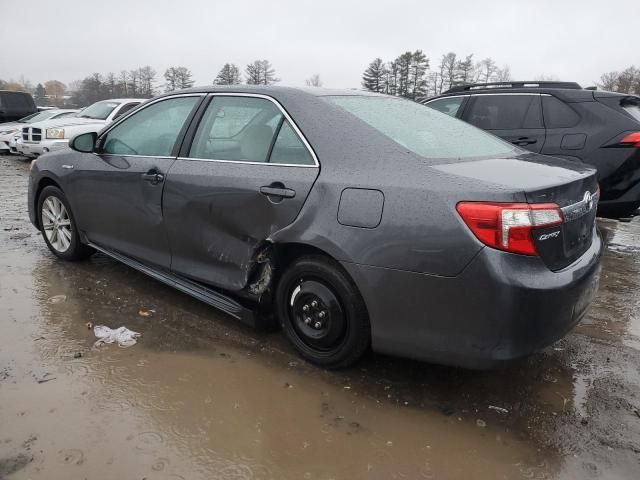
276,90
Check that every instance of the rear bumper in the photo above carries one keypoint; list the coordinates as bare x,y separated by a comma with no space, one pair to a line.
501,307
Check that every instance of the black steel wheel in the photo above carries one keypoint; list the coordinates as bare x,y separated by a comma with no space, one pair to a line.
322,313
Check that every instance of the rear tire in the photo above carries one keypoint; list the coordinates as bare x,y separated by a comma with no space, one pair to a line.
58,226
322,313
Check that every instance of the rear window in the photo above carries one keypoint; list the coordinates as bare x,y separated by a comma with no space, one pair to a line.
17,101
632,108
421,129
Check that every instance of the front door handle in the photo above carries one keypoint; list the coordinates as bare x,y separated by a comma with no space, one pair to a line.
525,141
273,191
153,177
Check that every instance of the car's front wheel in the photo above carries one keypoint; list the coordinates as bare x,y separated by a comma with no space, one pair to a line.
322,313
58,225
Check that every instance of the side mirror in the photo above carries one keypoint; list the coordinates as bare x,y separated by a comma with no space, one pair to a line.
84,142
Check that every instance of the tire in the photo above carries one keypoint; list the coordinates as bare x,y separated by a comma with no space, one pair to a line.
339,337
58,226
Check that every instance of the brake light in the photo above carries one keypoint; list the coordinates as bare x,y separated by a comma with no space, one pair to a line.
633,139
509,226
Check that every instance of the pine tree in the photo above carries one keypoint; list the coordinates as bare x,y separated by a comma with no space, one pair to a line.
404,67
417,75
177,78
464,71
374,76
229,74
40,95
261,72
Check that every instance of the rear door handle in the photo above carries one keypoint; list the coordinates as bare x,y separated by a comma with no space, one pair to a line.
281,192
525,141
153,177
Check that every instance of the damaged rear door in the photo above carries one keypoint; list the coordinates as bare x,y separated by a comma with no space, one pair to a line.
245,174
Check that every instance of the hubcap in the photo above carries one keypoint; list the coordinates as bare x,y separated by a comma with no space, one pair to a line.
56,224
317,315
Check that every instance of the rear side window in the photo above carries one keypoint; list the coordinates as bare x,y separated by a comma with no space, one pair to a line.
127,108
17,101
632,108
422,130
448,105
505,112
289,149
237,129
558,114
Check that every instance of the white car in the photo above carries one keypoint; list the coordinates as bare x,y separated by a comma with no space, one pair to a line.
8,130
50,135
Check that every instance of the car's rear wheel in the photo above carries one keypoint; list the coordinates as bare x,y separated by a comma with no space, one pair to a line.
58,225
322,313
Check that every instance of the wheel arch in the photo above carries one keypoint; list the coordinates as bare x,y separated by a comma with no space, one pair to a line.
44,182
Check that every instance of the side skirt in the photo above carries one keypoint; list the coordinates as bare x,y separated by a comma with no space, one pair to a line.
203,293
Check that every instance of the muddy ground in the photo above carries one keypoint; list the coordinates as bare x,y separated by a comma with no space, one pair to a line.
202,397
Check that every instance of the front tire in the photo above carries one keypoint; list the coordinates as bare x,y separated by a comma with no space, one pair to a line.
322,313
58,226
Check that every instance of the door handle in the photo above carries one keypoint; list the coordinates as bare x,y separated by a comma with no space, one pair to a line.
153,177
525,141
273,191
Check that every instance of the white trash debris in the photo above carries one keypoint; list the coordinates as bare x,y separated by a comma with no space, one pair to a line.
122,336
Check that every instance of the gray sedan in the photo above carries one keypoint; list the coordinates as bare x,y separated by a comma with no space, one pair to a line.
350,220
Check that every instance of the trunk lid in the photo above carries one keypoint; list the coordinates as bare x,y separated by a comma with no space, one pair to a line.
571,186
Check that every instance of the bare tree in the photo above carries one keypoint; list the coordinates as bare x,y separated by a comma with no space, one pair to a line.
448,68
313,81
55,91
486,69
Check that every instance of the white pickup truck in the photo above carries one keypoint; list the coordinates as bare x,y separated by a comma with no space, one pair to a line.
50,135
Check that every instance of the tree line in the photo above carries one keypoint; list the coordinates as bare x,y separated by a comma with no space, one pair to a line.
410,74
625,81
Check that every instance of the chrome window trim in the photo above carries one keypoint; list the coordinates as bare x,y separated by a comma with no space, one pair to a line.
138,109
286,116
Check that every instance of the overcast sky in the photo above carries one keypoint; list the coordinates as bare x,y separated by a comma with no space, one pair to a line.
69,39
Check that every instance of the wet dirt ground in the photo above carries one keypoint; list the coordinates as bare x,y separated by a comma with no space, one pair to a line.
202,397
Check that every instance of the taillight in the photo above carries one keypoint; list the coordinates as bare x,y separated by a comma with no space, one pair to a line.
632,140
509,226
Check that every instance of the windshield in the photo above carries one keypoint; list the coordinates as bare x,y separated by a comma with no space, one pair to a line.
423,130
98,111
36,117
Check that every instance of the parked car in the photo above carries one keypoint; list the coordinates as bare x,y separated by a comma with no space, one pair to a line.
15,105
50,135
357,219
8,130
561,119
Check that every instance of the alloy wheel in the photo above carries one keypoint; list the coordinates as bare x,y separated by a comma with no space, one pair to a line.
56,224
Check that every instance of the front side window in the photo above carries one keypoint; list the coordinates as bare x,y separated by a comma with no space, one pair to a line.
152,131
236,129
422,130
448,105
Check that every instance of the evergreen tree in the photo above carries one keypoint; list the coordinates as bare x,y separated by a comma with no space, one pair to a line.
40,96
374,76
177,78
464,71
417,75
229,74
261,72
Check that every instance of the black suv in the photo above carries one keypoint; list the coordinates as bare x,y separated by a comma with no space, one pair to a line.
563,120
15,105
